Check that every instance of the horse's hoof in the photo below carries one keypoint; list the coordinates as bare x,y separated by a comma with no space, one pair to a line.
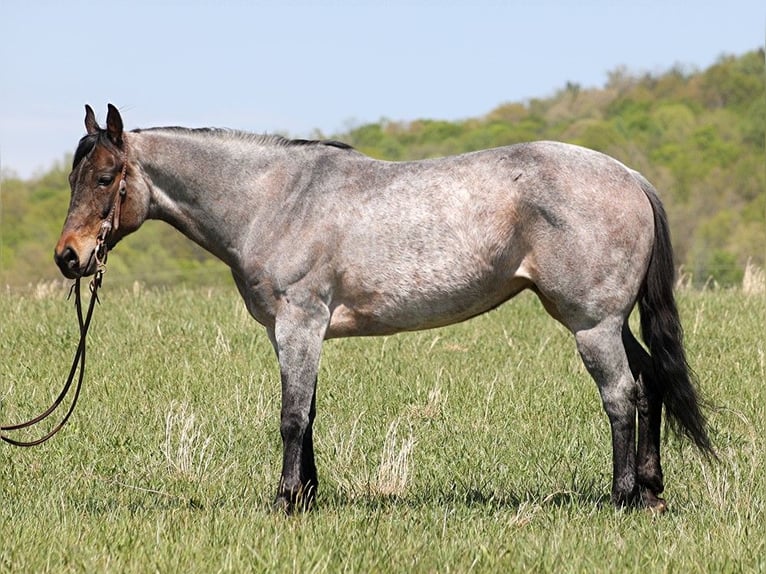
659,507
288,504
283,505
653,503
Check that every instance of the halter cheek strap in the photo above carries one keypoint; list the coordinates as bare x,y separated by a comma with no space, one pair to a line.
112,221
122,191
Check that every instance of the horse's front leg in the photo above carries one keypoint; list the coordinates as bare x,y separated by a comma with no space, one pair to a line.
297,337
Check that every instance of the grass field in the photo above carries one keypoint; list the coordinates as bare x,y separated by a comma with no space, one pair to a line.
481,447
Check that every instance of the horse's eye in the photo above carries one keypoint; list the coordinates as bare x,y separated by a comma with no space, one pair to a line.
105,180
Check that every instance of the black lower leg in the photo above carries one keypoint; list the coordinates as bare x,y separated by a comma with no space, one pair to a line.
308,464
624,486
649,407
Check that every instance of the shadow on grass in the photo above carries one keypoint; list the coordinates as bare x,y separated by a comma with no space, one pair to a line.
468,498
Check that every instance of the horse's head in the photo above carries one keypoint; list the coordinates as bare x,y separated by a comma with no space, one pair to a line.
108,200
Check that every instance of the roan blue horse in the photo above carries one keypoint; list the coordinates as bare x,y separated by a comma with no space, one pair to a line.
325,242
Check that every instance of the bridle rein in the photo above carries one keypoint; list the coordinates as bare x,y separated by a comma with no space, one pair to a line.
109,225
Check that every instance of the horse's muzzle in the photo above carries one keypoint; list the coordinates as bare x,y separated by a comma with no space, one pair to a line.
68,262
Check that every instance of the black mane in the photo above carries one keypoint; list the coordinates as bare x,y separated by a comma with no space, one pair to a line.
90,141
85,146
331,143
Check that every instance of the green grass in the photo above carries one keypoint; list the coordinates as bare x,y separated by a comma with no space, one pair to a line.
481,447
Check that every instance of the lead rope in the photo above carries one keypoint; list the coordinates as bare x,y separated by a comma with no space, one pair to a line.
79,359
112,222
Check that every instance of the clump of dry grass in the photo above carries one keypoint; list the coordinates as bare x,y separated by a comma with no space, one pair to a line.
394,471
754,281
49,289
186,450
684,279
432,408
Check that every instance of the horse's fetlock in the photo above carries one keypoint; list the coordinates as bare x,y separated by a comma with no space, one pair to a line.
650,476
297,497
625,491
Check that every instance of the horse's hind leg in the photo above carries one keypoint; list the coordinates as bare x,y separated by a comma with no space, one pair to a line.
649,406
602,351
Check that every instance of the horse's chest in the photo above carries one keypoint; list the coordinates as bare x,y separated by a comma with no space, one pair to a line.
259,300
260,311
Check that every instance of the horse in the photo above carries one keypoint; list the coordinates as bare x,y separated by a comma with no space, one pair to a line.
324,241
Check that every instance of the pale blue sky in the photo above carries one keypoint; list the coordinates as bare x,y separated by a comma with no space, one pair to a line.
296,66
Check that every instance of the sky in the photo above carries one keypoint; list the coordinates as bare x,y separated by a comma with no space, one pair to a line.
298,68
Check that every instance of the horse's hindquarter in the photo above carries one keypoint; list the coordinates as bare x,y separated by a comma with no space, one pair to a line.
590,227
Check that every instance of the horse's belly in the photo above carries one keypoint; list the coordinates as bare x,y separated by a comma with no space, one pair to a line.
382,314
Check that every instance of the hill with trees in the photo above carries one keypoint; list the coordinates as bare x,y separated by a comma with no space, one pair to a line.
698,136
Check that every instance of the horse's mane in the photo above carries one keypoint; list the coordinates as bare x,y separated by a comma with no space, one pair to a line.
88,142
263,139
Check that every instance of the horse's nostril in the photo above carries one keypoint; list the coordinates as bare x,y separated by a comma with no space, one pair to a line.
68,261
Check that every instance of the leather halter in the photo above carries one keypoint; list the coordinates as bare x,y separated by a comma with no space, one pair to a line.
112,221
110,224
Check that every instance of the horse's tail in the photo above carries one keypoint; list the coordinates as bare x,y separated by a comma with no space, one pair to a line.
661,330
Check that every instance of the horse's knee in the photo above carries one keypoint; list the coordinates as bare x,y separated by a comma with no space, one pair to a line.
293,425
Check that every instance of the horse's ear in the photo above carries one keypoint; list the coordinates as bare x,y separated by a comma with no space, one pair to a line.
91,125
114,125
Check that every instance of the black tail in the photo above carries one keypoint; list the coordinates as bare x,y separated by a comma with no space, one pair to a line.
662,332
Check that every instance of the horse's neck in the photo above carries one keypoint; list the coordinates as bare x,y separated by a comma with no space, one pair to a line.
204,188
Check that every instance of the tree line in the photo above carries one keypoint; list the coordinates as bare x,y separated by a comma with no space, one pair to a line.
698,135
